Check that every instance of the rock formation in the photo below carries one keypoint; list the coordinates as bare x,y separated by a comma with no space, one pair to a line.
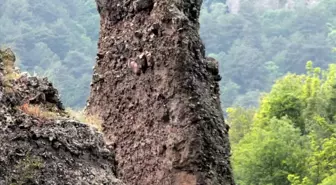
158,94
43,146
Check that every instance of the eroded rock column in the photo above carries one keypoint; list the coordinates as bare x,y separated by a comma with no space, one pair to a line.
158,95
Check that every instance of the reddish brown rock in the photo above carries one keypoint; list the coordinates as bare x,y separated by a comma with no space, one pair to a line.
158,95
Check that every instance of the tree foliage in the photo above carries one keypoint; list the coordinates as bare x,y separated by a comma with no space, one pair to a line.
291,138
263,42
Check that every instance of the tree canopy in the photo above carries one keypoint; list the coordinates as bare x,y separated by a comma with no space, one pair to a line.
257,46
291,138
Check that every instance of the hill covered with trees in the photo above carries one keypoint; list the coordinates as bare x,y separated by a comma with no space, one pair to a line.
255,47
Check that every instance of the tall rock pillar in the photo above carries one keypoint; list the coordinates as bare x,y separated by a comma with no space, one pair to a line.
158,95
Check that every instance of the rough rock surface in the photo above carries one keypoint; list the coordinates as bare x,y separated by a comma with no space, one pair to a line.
35,150
158,94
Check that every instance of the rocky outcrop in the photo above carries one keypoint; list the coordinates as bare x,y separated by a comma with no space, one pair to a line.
41,148
158,94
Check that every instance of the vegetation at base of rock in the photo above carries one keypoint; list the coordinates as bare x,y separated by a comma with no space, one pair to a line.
91,120
26,170
38,111
290,138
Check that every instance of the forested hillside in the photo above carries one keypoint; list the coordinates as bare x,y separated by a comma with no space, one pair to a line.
254,47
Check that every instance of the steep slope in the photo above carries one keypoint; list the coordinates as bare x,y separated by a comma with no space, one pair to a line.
39,145
158,94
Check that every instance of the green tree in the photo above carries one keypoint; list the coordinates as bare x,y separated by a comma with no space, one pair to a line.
269,155
297,116
240,121
320,165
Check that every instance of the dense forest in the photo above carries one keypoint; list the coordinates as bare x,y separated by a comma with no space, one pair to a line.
278,78
256,47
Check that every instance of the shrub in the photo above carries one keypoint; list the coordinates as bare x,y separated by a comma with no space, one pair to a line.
37,111
91,120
